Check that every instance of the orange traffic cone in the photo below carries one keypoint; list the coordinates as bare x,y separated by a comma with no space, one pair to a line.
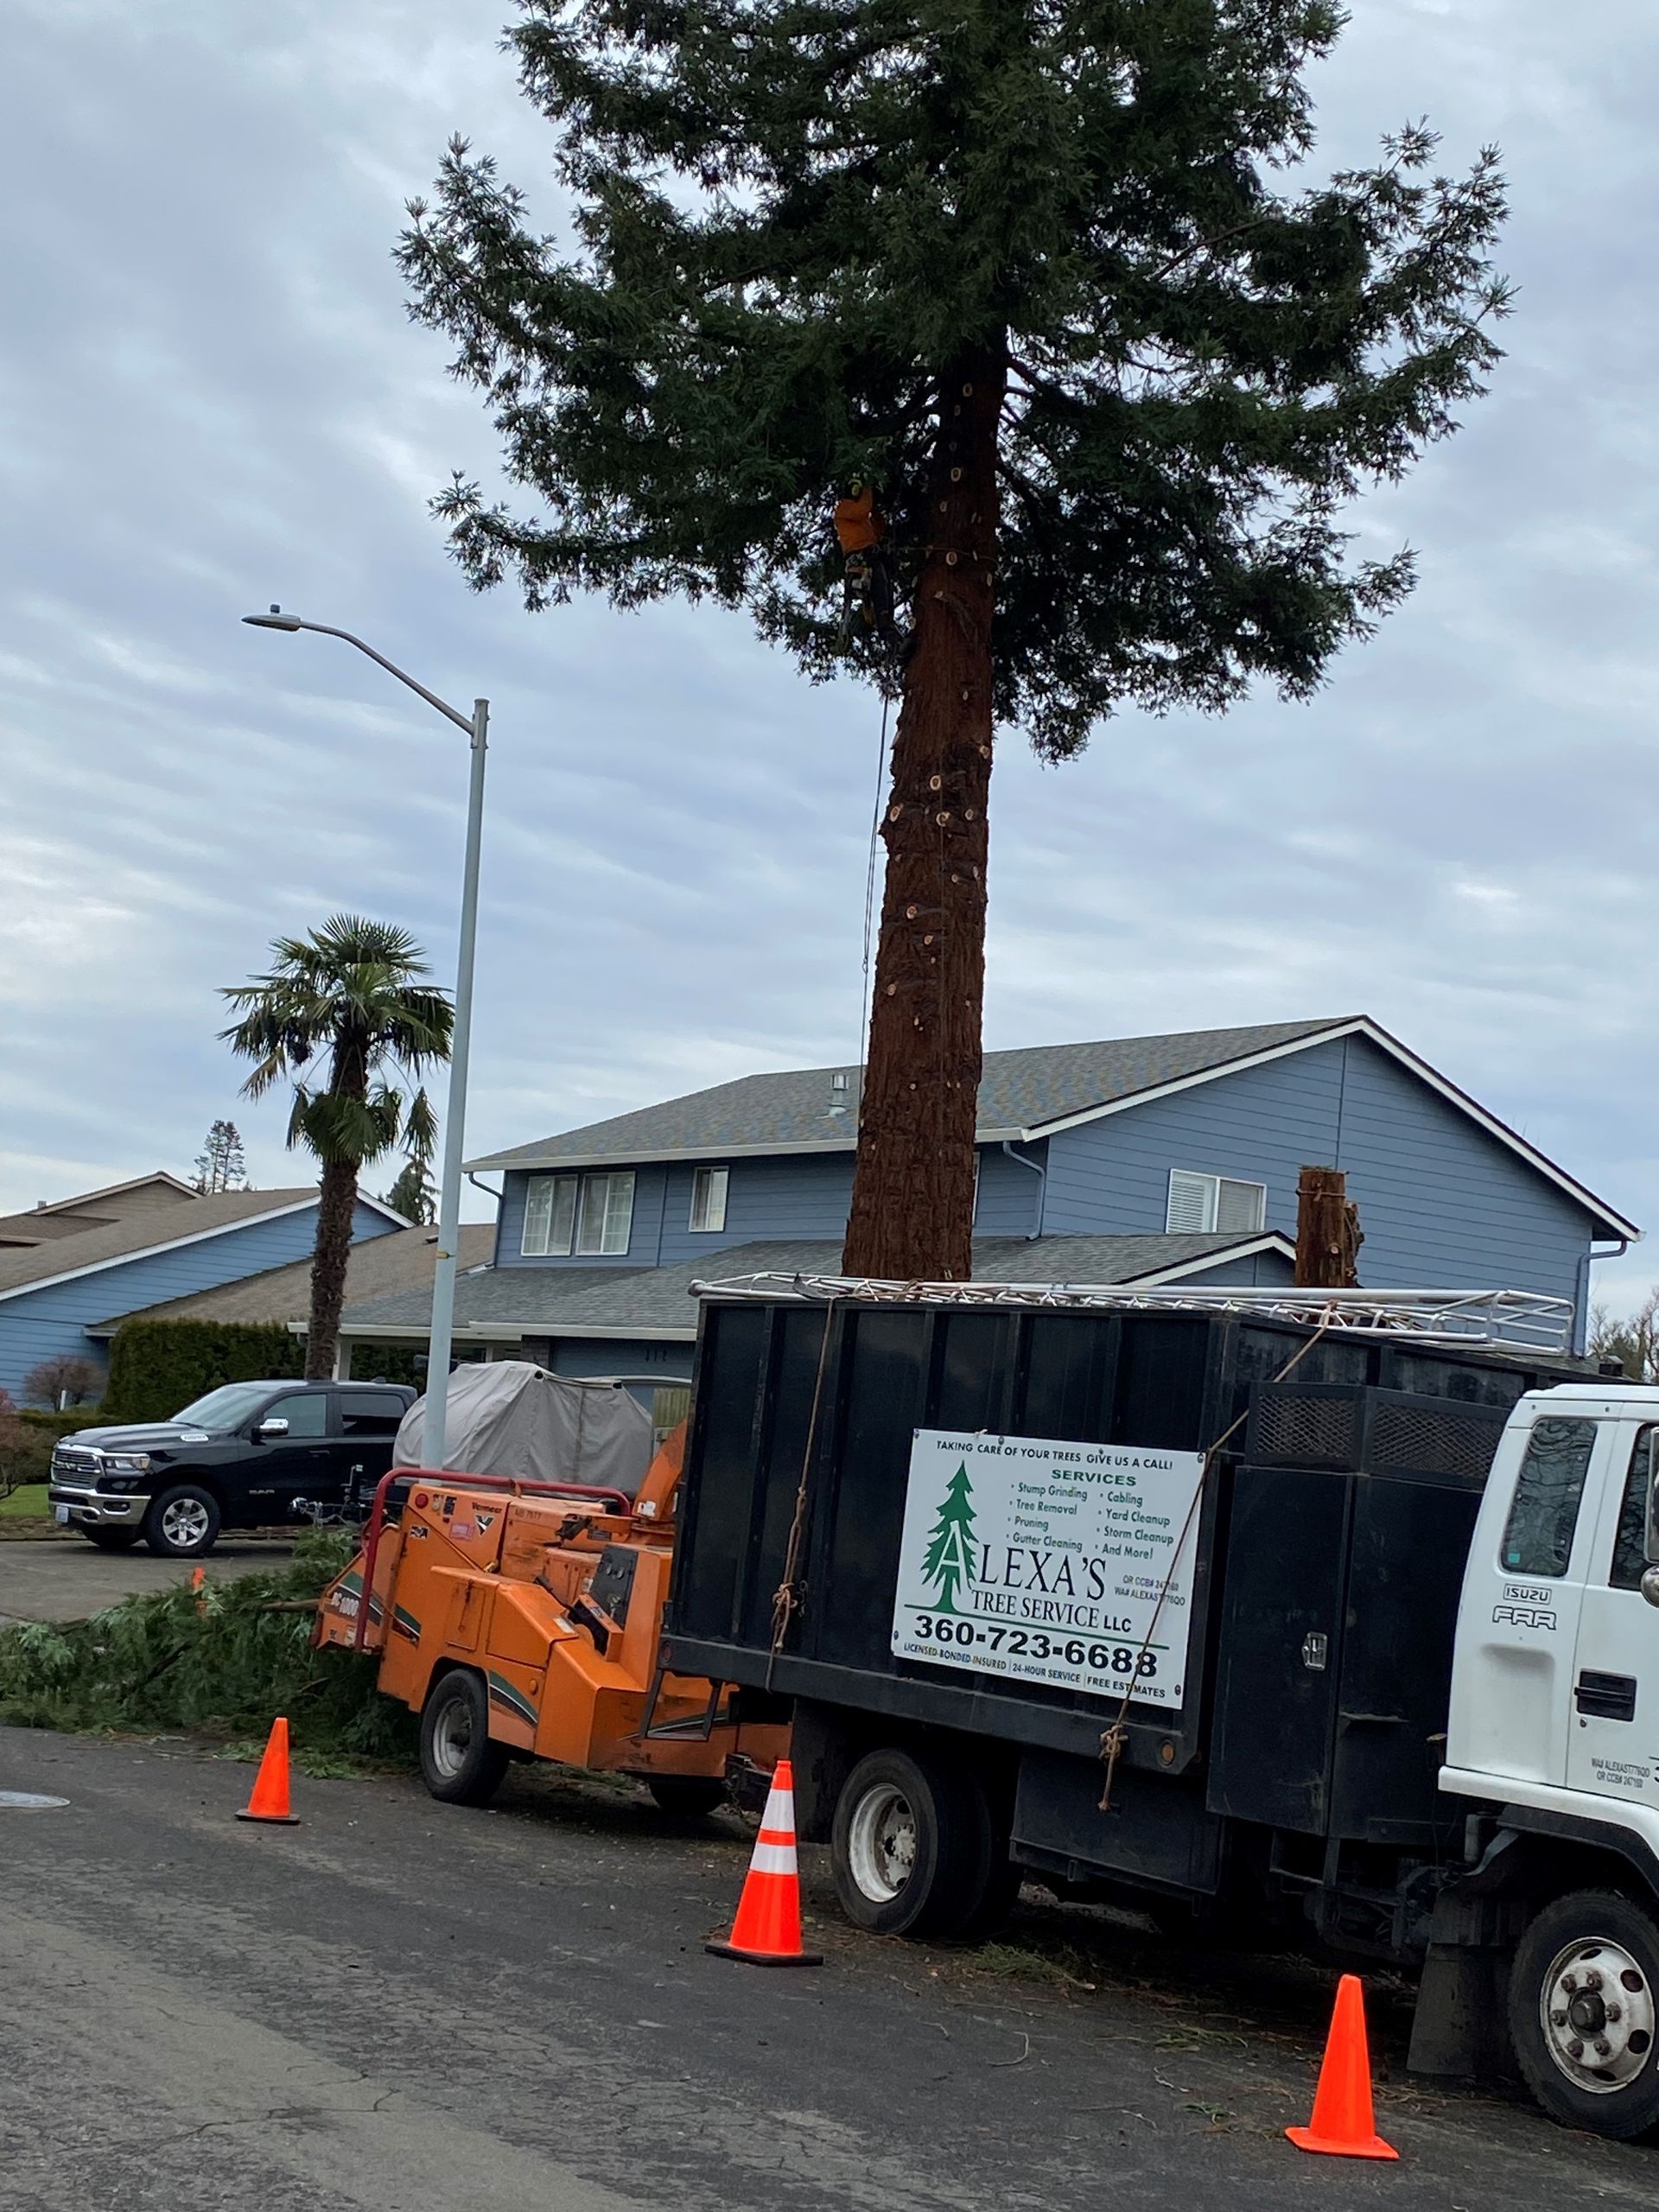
767,1929
269,1798
1344,2125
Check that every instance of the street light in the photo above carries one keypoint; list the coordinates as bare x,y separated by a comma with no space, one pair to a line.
434,1424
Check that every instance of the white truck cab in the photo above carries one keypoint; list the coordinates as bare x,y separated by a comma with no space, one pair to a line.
1556,1677
1555,1727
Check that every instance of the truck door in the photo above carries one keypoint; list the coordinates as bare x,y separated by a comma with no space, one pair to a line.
1518,1623
1613,1737
297,1462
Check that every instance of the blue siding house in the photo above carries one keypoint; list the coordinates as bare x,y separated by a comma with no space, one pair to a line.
65,1269
1135,1161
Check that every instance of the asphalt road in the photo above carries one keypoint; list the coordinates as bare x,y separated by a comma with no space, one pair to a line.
66,1579
410,2007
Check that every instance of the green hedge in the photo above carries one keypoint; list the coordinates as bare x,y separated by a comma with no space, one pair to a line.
157,1367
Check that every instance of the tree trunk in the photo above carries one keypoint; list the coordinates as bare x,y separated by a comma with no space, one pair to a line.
336,1206
913,1181
1327,1231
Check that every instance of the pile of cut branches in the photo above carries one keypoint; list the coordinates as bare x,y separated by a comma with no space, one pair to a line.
225,1663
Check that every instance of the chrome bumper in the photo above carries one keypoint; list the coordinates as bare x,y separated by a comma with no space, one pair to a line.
96,1508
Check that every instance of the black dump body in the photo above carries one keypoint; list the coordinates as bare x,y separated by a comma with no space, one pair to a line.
1332,1533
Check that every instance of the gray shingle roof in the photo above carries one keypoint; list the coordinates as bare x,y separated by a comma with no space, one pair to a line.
1019,1091
123,1240
574,1301
404,1259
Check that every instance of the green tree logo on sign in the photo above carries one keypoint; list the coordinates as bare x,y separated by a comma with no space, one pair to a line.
949,1557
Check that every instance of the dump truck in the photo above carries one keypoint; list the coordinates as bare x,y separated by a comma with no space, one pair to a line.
1313,1619
520,1614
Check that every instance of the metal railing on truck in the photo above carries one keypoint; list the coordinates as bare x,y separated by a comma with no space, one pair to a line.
1522,1320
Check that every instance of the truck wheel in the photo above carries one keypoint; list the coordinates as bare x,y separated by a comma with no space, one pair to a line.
1584,2014
182,1523
112,1540
911,1846
458,1763
687,1796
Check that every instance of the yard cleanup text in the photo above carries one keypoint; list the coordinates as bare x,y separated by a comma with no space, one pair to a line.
1047,1561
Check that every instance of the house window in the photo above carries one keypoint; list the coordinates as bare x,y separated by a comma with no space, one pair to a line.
550,1215
590,1215
708,1197
1214,1202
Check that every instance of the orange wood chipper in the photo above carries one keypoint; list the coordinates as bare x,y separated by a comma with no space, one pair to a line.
523,1619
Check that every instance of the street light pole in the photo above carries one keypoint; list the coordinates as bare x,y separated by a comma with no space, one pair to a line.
434,1418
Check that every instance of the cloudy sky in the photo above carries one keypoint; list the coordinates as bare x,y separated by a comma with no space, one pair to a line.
210,398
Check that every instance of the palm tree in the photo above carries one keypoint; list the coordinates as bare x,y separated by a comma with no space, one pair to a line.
345,1004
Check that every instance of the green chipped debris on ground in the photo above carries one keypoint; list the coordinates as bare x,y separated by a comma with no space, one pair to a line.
223,1664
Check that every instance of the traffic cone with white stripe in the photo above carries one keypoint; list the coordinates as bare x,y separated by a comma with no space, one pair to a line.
767,1929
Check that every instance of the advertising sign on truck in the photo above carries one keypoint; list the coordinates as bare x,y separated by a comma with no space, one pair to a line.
1046,1560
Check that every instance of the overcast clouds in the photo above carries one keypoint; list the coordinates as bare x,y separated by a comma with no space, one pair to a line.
210,398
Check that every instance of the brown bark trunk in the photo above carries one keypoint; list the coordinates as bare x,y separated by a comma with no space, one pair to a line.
914,1182
1327,1231
336,1205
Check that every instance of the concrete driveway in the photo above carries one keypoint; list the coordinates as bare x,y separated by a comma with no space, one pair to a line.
65,1579
406,2008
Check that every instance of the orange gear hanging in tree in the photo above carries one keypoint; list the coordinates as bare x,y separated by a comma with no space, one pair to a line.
868,591
857,524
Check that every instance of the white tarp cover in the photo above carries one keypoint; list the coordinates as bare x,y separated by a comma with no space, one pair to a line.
507,1417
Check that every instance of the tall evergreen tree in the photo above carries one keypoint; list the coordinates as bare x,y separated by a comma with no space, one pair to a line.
1043,273
219,1164
340,1015
412,1195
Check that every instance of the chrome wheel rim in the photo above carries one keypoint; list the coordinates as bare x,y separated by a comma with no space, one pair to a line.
882,1843
184,1523
452,1737
1597,2011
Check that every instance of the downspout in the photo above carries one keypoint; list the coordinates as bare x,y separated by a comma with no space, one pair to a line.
1588,1259
1040,1170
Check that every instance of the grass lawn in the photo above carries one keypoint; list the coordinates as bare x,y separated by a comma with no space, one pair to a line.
27,1503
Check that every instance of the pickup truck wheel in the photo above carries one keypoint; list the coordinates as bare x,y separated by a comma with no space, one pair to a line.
910,1847
1584,2014
688,1795
182,1523
458,1763
112,1540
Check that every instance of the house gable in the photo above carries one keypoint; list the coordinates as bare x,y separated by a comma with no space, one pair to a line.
40,1319
1442,1203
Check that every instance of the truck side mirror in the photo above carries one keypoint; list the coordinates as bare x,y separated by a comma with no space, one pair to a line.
275,1427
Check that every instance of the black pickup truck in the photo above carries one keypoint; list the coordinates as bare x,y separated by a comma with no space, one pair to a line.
245,1456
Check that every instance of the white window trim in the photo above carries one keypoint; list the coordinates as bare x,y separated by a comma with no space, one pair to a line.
715,1182
1210,1202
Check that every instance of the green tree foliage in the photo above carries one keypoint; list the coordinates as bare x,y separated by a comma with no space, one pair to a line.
1055,279
219,1164
19,1452
157,1367
412,1195
950,1556
223,1664
344,1015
